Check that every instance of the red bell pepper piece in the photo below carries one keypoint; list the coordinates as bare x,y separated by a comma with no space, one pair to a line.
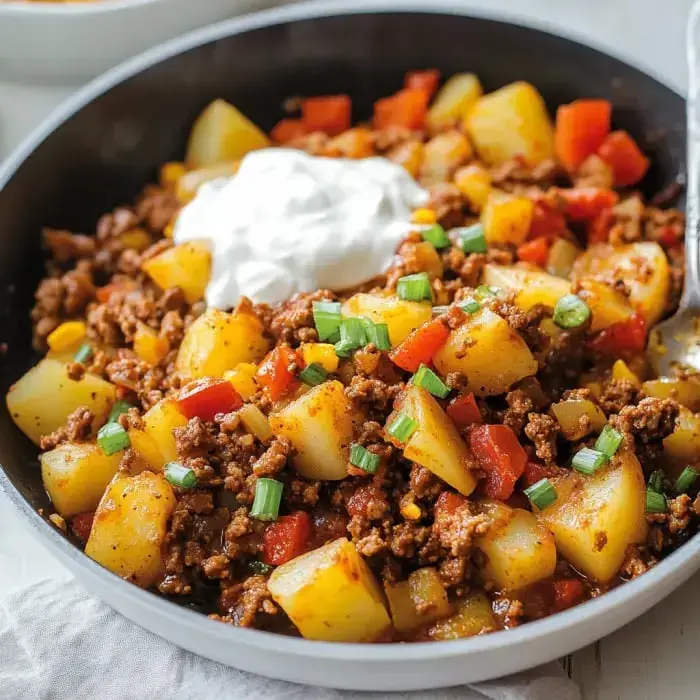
501,456
207,397
427,80
581,127
546,221
407,108
82,525
286,538
330,113
464,411
669,237
567,592
420,346
274,374
287,130
598,228
534,471
584,203
535,251
621,152
625,338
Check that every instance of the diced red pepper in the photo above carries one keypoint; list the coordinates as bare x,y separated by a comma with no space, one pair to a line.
584,203
287,130
598,228
501,456
274,374
420,346
286,538
104,293
330,113
82,525
534,471
581,127
625,338
535,251
546,221
427,80
207,397
407,108
567,592
621,152
464,411
669,236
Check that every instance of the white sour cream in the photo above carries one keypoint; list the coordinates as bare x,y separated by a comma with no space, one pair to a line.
289,222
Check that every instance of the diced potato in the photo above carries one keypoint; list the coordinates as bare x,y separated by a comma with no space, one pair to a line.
218,341
331,595
561,258
130,526
428,595
607,305
42,399
191,181
512,121
320,353
443,154
642,266
621,372
242,376
595,518
519,549
401,316
453,101
76,475
685,391
409,155
403,612
473,616
156,442
319,424
67,336
506,218
148,345
473,348
221,133
436,444
170,173
682,446
532,287
474,182
255,422
578,418
424,256
185,266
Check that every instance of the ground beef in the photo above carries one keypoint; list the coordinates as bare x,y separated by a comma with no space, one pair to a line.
65,246
650,420
448,203
76,429
618,393
519,406
247,600
543,430
457,531
273,459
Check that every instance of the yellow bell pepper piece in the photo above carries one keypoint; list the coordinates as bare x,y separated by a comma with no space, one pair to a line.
621,371
149,346
321,353
67,336
242,376
424,216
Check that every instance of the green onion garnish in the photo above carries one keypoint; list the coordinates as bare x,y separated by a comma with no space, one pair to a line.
608,441
352,336
437,236
83,354
686,480
364,459
112,438
268,496
403,427
260,567
378,335
428,380
541,494
484,291
656,481
313,375
472,239
571,312
118,409
588,461
470,306
656,502
181,476
327,319
414,287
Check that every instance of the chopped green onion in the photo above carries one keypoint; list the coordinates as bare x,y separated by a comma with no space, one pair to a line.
118,409
112,438
414,287
484,291
403,427
428,380
656,481
437,236
686,480
472,239
313,375
260,567
656,502
470,306
588,461
268,496
608,441
352,336
83,354
179,475
541,494
571,311
364,459
327,319
378,335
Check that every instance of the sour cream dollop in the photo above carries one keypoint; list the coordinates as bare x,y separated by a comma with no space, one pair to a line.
290,222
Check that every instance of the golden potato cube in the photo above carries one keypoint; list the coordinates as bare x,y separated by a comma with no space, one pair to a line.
423,257
578,418
607,305
156,442
191,181
685,391
428,594
403,612
331,595
474,182
621,372
148,345
561,258
532,287
409,155
322,354
242,377
473,616
506,218
453,101
443,154
682,446
186,266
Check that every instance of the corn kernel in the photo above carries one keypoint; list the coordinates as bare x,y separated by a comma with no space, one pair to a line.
170,173
242,376
424,216
137,239
149,346
67,336
620,372
411,511
322,353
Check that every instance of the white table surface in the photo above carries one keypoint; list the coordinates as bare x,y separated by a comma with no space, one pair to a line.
654,657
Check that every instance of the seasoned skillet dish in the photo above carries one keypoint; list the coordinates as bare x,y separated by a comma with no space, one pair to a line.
372,383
